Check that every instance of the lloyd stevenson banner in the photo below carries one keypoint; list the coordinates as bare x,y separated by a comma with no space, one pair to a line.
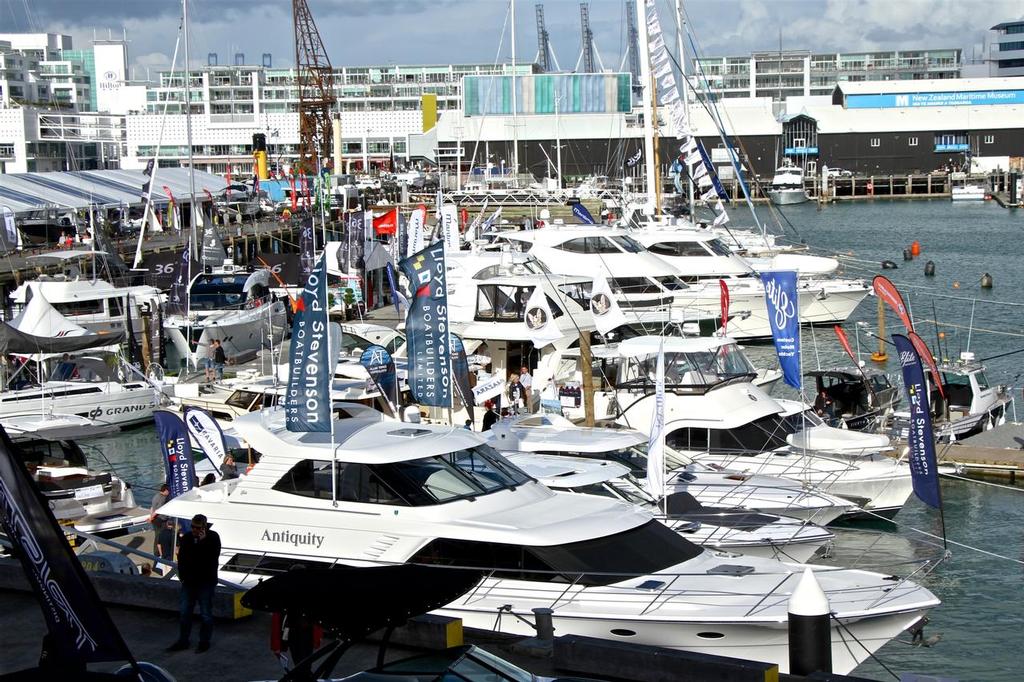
311,359
426,327
784,318
923,467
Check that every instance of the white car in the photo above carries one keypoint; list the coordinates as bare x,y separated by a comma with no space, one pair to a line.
838,173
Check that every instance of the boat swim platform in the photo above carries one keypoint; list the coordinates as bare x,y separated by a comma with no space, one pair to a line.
241,648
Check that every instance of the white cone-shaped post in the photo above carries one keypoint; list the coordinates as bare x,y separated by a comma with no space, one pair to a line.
810,628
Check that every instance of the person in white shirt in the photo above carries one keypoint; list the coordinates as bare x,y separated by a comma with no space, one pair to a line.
526,379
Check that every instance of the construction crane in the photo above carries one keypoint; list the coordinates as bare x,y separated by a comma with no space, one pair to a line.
633,47
545,55
589,57
314,78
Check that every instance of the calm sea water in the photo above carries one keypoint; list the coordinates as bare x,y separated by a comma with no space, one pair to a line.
983,603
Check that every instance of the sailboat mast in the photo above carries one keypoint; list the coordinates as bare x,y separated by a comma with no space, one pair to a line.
685,93
515,106
188,135
647,95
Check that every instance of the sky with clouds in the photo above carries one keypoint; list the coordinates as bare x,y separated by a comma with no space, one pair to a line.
361,32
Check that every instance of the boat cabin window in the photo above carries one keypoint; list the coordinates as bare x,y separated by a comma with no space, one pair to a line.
672,283
633,285
506,303
421,482
51,453
678,249
217,292
718,247
261,564
628,244
767,433
589,245
629,494
245,400
116,307
75,308
605,560
695,371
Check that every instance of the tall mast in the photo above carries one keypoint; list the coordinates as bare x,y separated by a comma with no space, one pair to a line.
685,93
515,113
650,163
188,139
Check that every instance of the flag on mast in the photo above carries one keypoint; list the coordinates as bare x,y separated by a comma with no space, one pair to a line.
784,319
920,437
656,438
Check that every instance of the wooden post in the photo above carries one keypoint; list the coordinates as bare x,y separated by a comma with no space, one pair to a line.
881,355
588,378
145,340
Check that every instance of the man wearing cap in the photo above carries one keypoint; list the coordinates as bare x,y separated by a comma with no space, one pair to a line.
198,553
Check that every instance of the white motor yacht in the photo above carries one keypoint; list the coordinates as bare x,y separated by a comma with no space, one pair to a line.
787,186
376,492
232,307
719,417
711,486
723,529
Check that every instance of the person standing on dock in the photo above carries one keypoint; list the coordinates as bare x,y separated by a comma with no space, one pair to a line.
197,568
156,521
219,359
526,379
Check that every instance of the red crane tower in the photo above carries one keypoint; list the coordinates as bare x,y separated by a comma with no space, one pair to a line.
314,78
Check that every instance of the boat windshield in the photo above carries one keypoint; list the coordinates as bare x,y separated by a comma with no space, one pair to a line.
693,371
605,560
458,475
634,457
217,292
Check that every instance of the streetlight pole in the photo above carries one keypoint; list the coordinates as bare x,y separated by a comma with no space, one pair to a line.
558,143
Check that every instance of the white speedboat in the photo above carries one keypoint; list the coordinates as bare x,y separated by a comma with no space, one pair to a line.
711,486
234,308
377,492
722,529
715,414
968,192
92,501
787,186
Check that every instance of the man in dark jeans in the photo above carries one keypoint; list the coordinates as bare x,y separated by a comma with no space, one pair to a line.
198,554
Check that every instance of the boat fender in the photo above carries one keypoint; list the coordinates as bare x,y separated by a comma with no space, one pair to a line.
889,265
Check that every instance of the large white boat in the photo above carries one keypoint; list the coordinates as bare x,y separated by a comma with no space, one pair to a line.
235,308
377,492
717,415
723,529
711,486
787,186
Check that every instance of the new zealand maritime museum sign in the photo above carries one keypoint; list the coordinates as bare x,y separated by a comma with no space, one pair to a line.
935,99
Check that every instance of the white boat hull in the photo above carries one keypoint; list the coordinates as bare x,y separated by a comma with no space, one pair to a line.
103,402
785,197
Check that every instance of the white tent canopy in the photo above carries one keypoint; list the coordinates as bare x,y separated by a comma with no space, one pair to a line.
39,318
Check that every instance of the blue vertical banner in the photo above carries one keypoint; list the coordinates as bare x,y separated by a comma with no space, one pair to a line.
460,370
784,319
308,400
179,466
307,258
207,432
381,367
581,212
426,327
389,270
923,466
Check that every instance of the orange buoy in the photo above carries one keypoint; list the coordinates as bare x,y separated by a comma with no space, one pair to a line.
956,285
915,248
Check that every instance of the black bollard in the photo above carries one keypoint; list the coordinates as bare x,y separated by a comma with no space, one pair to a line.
810,628
888,265
986,281
908,254
929,269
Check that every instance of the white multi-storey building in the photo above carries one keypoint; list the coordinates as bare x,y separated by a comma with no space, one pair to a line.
380,106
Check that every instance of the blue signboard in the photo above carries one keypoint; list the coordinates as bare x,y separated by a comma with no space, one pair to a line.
934,99
801,151
957,147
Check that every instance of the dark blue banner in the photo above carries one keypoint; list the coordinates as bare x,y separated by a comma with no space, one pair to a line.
923,468
310,365
177,299
712,173
460,368
426,327
179,466
307,257
381,368
784,319
389,270
80,629
581,212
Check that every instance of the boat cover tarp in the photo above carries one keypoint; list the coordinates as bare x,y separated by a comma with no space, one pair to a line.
14,341
357,601
39,318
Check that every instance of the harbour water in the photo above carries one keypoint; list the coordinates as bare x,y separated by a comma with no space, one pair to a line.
982,599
